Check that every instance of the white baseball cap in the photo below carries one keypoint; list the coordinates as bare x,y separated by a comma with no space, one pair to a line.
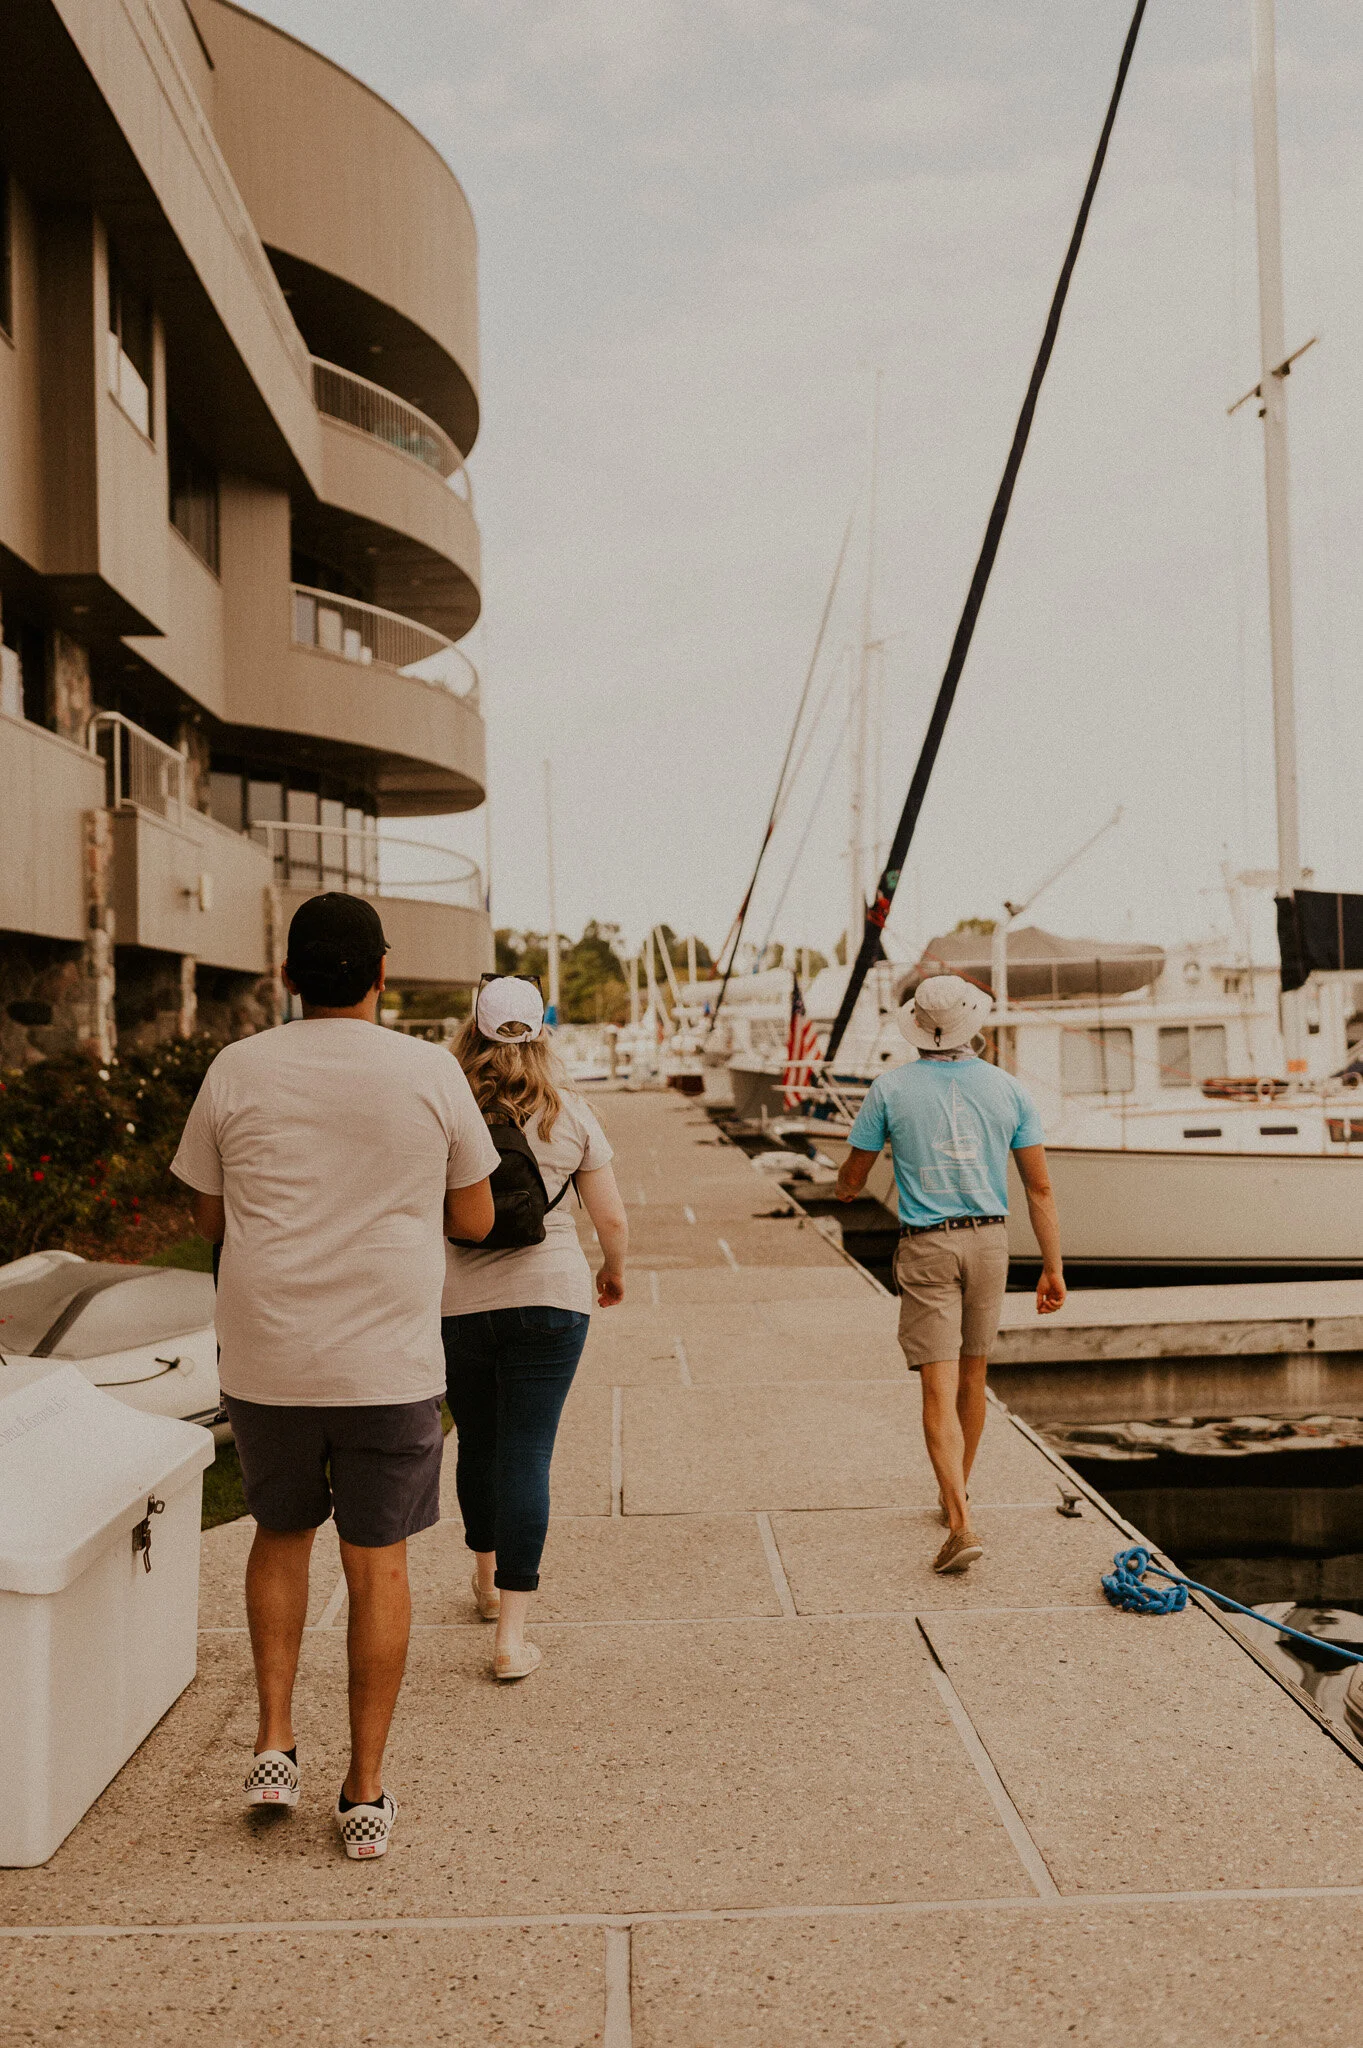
510,1009
945,1013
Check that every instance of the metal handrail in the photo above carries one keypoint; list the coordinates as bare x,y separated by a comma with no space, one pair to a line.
359,402
365,633
140,770
362,862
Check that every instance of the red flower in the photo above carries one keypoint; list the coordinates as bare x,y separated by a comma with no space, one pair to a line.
45,1158
37,1175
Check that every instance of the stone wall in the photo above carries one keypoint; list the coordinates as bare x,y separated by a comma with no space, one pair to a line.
42,998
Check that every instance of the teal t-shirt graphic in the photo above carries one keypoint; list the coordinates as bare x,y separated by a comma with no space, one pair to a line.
950,1125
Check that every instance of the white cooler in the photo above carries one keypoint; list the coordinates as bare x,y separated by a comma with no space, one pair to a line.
94,1646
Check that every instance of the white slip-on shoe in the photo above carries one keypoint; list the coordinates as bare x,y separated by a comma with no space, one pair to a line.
272,1780
505,1666
365,1827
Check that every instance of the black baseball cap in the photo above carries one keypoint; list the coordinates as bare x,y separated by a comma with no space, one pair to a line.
335,945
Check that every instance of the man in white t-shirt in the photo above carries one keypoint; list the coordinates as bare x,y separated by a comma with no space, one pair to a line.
330,1158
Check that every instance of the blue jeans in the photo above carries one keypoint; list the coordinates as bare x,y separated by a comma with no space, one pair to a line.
507,1375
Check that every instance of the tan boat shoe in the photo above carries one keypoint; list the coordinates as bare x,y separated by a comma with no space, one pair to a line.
489,1605
960,1550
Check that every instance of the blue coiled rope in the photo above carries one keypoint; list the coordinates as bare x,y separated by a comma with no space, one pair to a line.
1125,1587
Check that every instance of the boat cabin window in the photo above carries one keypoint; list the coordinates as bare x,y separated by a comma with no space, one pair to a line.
1097,1062
1345,1130
1189,1057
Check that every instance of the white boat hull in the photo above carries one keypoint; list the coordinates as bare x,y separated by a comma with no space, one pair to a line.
1199,1208
1185,1209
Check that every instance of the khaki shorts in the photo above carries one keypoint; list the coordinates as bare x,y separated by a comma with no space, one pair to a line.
951,1286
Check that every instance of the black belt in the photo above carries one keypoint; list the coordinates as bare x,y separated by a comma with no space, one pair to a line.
948,1223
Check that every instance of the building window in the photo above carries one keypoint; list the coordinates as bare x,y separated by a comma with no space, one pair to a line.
6,240
130,347
1097,1062
1190,1056
193,494
226,799
23,671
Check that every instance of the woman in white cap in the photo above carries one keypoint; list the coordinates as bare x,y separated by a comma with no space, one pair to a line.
514,1320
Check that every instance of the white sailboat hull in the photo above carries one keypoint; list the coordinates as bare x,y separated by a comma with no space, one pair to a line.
1199,1208
1184,1209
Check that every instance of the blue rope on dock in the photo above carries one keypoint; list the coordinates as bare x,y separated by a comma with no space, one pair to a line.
1125,1587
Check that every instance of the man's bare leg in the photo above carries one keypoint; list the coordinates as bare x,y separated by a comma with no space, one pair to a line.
276,1609
376,1646
944,1436
971,1406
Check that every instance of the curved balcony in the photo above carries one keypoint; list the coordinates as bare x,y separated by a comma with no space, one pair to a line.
431,899
358,402
371,636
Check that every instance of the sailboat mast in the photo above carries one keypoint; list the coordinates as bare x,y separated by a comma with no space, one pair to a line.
861,686
1273,412
551,1012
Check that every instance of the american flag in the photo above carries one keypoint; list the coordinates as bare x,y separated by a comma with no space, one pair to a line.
802,1048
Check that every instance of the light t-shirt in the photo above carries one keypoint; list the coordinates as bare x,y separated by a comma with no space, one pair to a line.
332,1142
554,1274
950,1125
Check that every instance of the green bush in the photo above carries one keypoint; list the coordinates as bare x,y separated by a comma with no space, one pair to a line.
82,1145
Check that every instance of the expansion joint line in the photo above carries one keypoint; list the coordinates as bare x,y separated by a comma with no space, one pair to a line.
1031,1858
785,1598
618,2027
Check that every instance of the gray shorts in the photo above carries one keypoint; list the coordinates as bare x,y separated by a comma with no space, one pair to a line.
377,1468
951,1286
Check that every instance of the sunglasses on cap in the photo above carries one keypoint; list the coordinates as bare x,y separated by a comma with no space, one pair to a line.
484,980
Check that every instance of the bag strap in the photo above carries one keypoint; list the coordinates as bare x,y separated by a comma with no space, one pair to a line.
571,1182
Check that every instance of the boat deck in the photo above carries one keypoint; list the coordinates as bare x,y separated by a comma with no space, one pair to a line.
776,1783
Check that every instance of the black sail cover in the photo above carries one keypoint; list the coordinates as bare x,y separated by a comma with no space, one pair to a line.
1319,933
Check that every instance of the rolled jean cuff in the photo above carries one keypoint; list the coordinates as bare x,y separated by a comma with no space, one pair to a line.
516,1582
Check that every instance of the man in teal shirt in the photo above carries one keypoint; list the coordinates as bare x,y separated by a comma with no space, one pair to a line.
950,1121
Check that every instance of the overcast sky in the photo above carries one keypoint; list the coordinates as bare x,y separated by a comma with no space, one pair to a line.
702,224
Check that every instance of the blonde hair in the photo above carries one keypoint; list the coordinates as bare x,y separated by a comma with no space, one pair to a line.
512,1081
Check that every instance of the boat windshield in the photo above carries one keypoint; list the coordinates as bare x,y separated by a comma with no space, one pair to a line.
81,1310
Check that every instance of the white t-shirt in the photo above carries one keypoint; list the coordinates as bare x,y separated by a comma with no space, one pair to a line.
332,1142
554,1274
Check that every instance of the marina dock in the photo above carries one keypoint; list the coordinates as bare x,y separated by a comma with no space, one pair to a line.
776,1783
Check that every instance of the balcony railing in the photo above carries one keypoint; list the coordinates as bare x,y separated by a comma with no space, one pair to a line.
366,633
139,769
363,863
357,402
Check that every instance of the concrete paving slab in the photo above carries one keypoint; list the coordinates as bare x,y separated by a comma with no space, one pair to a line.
616,1357
1160,1976
823,1281
222,1572
580,1477
742,1763
1150,1753
866,1317
633,1568
882,1558
691,1450
729,1359
405,1988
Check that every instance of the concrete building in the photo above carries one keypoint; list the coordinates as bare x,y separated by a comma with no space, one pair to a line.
238,381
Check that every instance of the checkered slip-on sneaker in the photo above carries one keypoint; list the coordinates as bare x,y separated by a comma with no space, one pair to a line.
365,1829
272,1780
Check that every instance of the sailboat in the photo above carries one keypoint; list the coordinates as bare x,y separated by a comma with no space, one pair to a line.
1255,1165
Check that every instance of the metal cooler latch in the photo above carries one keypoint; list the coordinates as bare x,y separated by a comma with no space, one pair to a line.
142,1532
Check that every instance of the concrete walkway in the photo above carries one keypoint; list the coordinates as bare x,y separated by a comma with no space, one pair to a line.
776,1784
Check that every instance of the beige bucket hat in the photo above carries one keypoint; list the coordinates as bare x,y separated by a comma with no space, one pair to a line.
945,1013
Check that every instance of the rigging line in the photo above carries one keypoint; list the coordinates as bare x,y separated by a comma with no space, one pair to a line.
834,757
812,731
731,944
871,949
